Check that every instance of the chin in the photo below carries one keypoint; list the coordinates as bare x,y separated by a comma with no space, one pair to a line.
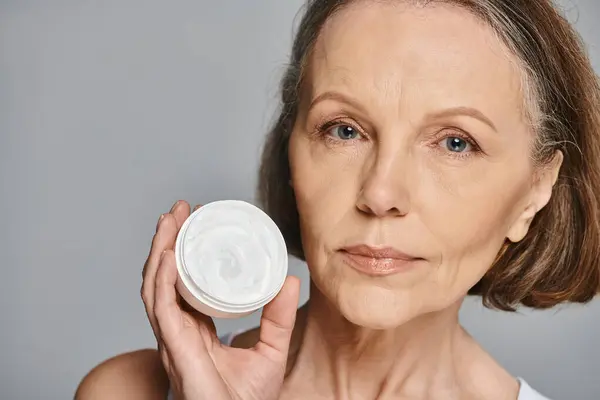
374,307
383,302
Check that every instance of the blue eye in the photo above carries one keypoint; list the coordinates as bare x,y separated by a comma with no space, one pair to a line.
456,144
344,132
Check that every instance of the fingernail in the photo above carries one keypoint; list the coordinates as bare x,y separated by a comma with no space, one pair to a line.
175,205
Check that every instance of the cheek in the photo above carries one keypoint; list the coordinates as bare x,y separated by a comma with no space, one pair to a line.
464,214
469,209
325,187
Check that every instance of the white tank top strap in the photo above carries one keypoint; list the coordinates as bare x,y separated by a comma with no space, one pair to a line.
526,392
227,339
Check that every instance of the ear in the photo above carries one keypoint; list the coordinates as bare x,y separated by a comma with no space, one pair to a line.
540,194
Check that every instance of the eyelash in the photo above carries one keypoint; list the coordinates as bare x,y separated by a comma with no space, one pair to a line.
323,132
324,128
457,133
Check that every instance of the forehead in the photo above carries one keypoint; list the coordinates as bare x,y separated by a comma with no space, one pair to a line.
435,55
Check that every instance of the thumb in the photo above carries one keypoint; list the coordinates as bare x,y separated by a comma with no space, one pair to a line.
277,322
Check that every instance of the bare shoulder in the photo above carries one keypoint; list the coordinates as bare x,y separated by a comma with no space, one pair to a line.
135,375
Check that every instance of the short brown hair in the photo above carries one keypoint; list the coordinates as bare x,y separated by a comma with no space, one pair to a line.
557,261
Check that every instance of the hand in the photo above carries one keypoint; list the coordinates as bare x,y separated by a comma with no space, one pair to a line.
198,365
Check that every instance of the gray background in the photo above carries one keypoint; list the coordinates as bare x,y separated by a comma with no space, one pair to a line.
110,111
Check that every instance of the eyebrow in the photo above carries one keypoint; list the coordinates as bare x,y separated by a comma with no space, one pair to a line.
463,111
337,96
449,112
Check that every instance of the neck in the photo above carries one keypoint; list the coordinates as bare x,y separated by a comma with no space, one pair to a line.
423,358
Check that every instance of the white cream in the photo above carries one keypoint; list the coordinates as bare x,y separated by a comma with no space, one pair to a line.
231,258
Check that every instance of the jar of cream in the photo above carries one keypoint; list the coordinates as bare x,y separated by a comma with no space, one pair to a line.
231,259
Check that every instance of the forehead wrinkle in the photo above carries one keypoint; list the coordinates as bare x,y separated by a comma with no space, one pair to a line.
391,85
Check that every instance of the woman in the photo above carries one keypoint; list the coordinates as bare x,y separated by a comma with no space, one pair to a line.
425,150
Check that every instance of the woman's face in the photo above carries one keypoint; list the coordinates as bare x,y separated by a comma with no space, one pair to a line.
410,159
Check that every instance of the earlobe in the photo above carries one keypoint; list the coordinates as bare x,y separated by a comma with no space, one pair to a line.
520,228
541,192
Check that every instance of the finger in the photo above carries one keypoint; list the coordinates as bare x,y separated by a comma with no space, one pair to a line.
166,309
162,216
174,324
277,321
180,210
204,321
163,240
183,348
166,231
158,223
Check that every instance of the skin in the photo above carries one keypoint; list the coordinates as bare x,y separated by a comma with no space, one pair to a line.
391,167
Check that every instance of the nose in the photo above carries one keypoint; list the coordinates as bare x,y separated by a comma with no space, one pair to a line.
384,192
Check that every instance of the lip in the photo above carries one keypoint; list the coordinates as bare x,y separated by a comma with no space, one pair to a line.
378,260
